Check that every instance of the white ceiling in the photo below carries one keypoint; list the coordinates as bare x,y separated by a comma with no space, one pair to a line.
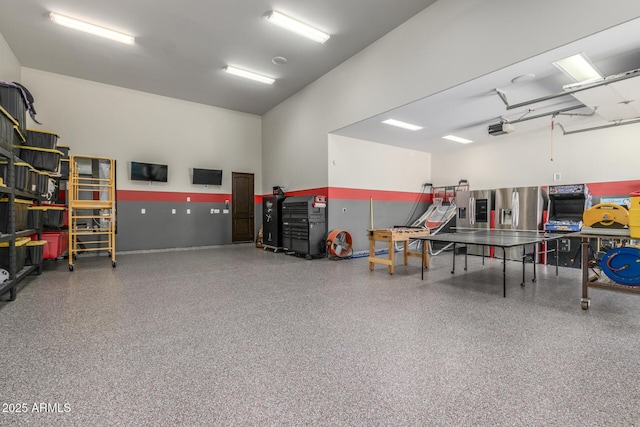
182,46
467,110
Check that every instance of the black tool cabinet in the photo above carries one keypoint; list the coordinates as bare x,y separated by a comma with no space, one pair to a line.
272,222
304,226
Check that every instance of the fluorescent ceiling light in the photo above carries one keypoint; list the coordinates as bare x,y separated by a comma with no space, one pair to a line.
402,125
457,139
578,67
249,75
297,27
91,29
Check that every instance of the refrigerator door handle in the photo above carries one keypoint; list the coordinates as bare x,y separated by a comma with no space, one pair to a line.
472,210
515,205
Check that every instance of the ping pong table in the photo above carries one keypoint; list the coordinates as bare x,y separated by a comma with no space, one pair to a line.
495,238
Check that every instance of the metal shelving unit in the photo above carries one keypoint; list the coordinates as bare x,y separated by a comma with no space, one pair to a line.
10,285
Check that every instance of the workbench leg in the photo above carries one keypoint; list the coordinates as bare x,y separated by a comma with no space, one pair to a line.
392,257
372,252
406,252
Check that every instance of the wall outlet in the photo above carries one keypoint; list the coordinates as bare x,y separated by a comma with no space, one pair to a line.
143,211
211,211
557,177
188,211
173,211
225,211
215,211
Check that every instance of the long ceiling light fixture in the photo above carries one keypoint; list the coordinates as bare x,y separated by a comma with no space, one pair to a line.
579,68
249,75
457,139
297,27
403,125
92,29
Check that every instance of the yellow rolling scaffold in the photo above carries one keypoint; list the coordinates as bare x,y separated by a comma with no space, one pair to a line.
92,206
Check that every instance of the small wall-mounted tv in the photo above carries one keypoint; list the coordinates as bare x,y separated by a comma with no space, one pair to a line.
149,172
207,176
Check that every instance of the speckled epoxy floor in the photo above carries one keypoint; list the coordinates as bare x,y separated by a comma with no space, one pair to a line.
236,335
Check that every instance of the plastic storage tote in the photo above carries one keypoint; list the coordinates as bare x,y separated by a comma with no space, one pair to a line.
21,208
11,100
8,126
35,252
21,246
41,158
41,138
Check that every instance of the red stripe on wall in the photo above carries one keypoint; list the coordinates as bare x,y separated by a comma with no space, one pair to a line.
165,196
614,188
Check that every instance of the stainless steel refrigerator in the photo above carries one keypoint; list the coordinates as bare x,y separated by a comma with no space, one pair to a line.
520,208
474,211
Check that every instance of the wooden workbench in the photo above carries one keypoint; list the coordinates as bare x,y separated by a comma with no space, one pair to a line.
391,236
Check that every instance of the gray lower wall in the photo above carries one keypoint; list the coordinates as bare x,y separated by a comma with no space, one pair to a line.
158,228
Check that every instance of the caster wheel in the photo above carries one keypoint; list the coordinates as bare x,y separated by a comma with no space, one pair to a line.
113,264
585,305
70,267
534,280
522,285
451,271
308,257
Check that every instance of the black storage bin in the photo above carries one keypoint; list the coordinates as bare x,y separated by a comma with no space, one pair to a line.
41,138
41,158
7,130
21,169
21,246
64,168
34,218
32,181
20,214
64,150
11,100
34,252
42,183
52,215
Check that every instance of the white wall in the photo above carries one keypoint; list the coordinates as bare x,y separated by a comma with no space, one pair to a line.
354,163
102,120
448,43
597,156
9,65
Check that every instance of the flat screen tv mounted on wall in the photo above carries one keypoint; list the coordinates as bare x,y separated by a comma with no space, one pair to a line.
149,172
207,176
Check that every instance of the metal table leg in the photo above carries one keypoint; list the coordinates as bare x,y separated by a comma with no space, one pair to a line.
504,272
453,270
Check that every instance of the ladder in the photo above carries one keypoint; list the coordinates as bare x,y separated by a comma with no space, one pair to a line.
92,206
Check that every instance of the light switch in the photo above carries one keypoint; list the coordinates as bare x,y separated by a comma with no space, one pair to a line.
143,211
211,210
173,211
188,199
216,211
225,211
188,211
